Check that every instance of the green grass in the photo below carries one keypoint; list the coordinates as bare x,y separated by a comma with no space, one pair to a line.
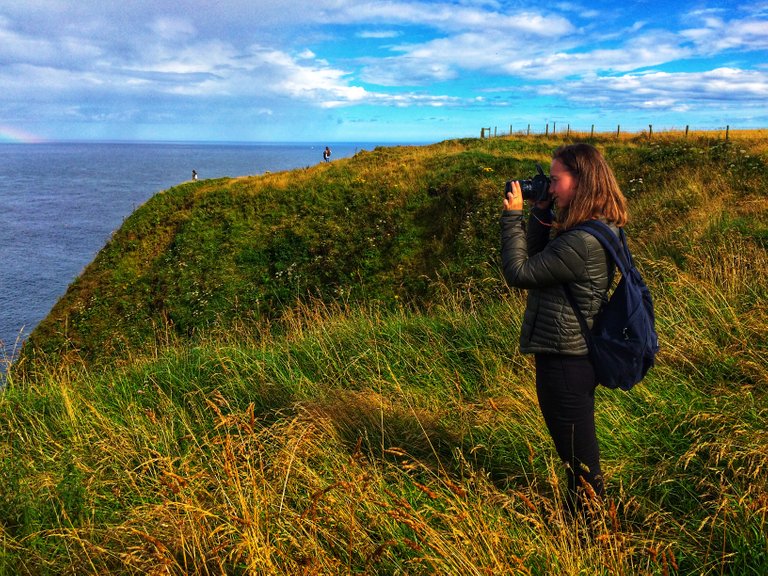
211,398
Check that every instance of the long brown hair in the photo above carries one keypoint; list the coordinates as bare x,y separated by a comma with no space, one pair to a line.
597,193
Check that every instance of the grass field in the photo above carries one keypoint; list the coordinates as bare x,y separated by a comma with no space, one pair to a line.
316,372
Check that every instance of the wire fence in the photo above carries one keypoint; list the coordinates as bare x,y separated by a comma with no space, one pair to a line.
567,132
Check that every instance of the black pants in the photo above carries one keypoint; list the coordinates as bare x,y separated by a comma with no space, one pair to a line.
565,386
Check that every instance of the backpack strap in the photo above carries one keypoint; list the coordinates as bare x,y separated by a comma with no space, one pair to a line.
617,248
582,321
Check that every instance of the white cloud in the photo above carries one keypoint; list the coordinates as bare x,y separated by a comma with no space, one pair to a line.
446,17
505,54
663,90
716,34
207,57
638,53
383,34
173,28
27,47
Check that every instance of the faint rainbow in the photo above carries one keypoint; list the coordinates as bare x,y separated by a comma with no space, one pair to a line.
13,134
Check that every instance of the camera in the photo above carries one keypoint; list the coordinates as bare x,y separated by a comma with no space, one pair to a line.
536,189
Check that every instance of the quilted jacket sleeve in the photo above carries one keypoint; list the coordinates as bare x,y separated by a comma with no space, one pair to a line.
563,260
543,265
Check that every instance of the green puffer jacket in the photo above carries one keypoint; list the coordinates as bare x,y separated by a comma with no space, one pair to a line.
543,265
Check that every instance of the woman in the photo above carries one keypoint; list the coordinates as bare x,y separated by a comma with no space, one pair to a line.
544,259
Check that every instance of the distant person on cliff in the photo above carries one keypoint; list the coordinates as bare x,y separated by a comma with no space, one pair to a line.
194,175
327,154
582,188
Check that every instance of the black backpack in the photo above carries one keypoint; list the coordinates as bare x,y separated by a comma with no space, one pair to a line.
623,342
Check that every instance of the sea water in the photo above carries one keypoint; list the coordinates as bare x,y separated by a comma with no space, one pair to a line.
60,203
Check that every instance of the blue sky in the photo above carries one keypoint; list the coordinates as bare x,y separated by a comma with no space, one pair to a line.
380,71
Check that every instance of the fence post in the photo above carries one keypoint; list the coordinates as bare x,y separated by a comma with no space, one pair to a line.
554,128
727,130
510,129
546,132
592,134
618,131
568,132
495,131
686,130
529,130
650,131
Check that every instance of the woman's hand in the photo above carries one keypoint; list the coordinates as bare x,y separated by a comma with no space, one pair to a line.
513,200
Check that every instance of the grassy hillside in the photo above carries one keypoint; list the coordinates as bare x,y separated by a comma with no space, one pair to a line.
377,227
385,226
316,372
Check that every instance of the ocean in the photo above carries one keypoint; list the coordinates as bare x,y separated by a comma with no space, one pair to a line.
61,202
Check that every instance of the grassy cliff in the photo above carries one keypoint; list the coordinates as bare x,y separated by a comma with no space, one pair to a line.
316,372
381,226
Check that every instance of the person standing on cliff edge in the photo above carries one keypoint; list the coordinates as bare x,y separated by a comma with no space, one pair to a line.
327,154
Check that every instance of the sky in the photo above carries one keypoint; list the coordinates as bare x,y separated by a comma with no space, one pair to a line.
375,71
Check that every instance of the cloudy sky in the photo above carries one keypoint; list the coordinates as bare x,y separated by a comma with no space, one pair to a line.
378,71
